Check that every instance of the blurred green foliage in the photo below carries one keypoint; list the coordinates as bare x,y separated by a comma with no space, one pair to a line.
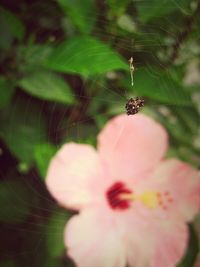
48,86
64,73
84,56
42,155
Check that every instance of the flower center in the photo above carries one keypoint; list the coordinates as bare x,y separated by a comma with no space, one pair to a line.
114,196
120,197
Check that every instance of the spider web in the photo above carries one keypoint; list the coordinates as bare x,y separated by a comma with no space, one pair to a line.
69,124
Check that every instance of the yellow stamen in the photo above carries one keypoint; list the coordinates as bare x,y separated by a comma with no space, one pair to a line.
149,199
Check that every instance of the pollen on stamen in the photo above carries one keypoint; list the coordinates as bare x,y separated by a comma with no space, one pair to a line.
164,199
159,196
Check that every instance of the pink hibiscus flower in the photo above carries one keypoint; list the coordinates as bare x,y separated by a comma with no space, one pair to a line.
133,205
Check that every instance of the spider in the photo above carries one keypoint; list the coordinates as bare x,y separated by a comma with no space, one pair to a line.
133,105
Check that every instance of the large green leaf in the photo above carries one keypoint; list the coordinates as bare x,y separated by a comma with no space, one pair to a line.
47,85
55,233
82,13
22,127
10,27
85,56
42,155
160,86
15,202
6,91
157,8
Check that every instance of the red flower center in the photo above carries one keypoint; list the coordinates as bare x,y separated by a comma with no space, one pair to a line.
114,198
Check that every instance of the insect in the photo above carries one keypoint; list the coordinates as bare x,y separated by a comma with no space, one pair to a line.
134,105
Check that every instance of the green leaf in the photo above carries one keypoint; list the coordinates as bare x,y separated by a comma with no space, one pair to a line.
15,202
48,86
118,7
85,56
188,116
81,13
157,8
22,128
191,253
32,56
160,86
10,27
43,154
6,91
55,233
189,155
177,131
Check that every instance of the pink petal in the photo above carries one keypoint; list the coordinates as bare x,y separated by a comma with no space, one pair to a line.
92,240
72,175
183,183
152,243
132,145
171,245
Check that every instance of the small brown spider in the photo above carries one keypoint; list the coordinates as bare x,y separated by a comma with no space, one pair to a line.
133,105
